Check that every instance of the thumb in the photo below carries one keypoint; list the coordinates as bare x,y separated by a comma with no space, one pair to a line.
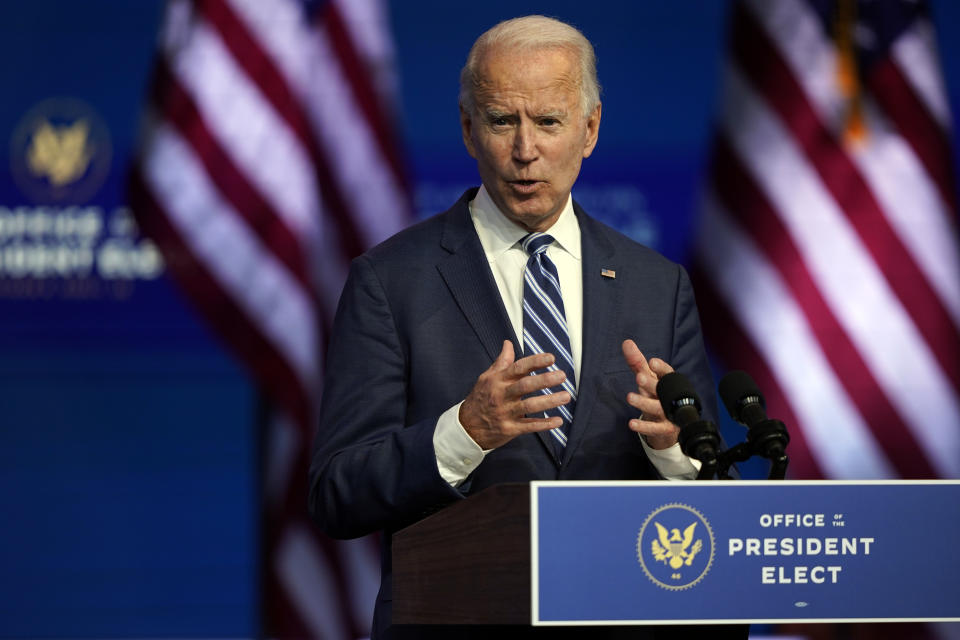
505,359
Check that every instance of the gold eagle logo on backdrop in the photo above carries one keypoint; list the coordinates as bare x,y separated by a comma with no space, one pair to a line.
673,548
61,154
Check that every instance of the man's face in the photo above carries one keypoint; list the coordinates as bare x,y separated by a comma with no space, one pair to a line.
528,132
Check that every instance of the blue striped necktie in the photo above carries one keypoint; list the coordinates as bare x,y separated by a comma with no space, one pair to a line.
545,325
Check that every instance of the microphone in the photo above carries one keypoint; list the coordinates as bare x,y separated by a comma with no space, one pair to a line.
742,398
679,399
698,438
746,405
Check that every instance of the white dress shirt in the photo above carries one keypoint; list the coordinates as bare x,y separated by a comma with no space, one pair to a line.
457,453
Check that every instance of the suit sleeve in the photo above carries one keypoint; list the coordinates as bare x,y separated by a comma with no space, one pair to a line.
370,470
689,354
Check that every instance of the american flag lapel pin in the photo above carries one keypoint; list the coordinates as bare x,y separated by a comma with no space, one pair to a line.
608,273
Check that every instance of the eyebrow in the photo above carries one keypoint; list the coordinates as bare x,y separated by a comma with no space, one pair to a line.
558,114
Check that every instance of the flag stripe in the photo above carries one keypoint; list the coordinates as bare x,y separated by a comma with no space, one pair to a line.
828,252
378,202
315,571
857,292
262,70
354,71
363,576
915,53
278,606
886,162
728,341
271,155
307,576
750,208
836,433
179,109
917,126
764,66
245,124
218,236
228,319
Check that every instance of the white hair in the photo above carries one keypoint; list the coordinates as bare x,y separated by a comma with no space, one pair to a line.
531,33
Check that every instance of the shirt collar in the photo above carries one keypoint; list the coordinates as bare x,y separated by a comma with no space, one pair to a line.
498,233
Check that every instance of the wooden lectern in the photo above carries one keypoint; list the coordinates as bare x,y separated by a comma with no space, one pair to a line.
466,564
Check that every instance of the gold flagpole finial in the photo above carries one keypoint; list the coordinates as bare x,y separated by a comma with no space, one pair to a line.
848,80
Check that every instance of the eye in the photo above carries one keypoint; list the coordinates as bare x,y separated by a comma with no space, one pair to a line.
549,122
499,121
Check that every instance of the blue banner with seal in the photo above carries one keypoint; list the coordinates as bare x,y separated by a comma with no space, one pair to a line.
662,552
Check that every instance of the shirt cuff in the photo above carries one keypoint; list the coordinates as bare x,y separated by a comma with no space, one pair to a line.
671,462
457,454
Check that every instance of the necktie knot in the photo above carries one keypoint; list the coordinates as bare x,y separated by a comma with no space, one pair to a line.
536,242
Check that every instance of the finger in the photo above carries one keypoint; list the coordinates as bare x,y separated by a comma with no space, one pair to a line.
634,357
650,407
660,367
544,402
524,366
532,425
647,383
529,384
655,429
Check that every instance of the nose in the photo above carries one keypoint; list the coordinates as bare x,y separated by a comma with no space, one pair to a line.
525,143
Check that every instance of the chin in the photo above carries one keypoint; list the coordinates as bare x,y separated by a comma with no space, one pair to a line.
534,222
528,210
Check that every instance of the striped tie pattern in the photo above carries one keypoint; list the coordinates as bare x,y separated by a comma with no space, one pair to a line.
545,325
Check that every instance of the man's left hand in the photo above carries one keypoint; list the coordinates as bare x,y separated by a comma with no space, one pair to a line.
653,425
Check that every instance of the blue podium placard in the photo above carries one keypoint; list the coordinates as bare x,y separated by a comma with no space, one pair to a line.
702,552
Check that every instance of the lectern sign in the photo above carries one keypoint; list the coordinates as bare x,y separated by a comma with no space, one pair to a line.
662,552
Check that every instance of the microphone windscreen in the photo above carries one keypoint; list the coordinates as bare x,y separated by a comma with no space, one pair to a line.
671,389
734,387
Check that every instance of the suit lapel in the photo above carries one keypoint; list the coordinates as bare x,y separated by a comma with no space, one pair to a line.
477,297
600,295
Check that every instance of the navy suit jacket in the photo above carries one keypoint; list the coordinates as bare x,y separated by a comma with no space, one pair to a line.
421,318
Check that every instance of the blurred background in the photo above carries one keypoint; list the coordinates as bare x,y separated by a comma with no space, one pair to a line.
184,184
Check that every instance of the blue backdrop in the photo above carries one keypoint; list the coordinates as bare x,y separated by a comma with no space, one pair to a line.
128,448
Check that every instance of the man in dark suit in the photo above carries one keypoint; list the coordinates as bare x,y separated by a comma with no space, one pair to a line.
437,385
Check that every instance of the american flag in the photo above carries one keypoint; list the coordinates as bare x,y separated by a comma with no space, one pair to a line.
268,162
828,257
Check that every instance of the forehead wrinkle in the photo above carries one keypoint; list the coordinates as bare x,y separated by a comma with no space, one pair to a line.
486,89
556,98
565,82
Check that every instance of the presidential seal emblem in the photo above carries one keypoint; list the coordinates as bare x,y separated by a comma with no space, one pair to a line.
675,546
60,152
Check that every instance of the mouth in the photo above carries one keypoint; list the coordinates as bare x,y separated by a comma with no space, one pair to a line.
525,186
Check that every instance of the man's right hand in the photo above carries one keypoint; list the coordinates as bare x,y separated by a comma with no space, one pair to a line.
496,410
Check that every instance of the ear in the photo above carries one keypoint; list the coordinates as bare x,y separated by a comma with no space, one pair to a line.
466,128
593,131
